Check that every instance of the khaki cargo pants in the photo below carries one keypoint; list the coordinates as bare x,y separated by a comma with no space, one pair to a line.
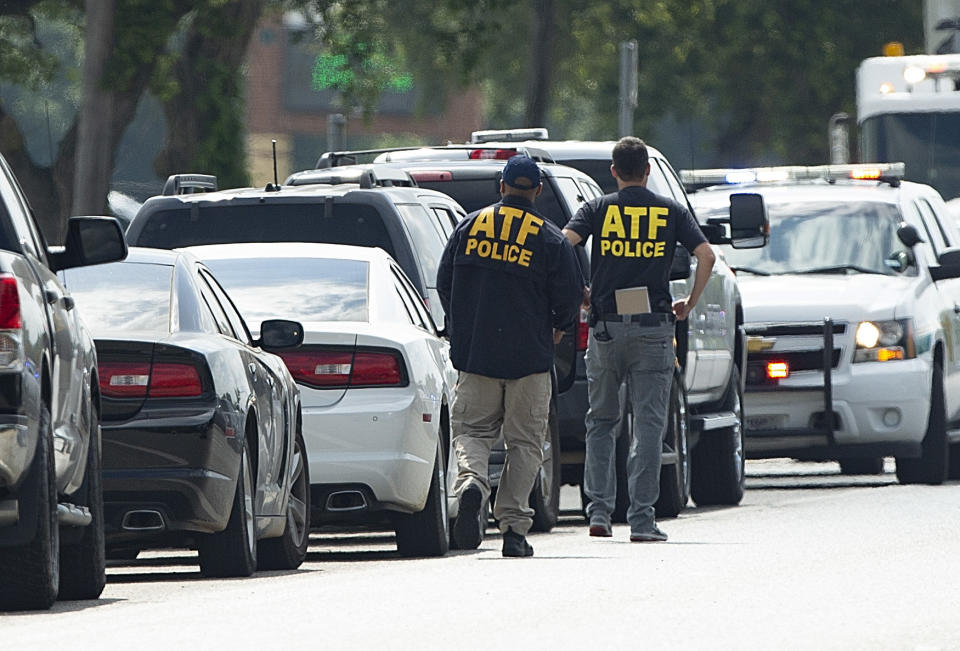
521,407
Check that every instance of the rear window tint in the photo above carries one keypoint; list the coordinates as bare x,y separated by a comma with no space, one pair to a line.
428,240
122,297
598,170
299,289
476,194
360,225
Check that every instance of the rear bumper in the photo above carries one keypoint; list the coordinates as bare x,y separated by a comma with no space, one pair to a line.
17,445
183,468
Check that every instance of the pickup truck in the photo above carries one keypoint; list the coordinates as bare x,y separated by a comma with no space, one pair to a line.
51,503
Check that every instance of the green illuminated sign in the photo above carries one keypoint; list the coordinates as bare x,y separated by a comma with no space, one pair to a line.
332,71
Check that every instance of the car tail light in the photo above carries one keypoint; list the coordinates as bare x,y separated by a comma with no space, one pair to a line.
332,369
431,175
9,303
124,379
777,370
492,154
376,369
583,331
168,380
138,379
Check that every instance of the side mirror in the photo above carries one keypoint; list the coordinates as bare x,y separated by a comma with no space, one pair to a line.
276,334
908,234
714,233
680,269
949,260
749,224
90,240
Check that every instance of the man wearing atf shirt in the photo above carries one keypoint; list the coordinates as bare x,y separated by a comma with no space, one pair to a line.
509,283
634,235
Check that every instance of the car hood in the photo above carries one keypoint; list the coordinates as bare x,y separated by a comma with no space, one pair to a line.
813,297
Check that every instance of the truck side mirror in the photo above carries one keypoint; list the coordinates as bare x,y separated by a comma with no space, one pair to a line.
749,224
908,234
90,240
680,268
949,260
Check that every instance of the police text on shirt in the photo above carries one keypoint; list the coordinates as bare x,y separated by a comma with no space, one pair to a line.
615,239
504,245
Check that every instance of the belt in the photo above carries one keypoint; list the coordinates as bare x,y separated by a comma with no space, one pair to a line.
649,319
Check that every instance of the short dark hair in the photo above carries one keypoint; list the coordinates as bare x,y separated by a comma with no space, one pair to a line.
630,158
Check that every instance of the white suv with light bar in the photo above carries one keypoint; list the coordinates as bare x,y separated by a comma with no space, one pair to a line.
852,313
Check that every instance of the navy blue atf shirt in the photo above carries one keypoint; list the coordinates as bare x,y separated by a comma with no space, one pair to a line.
507,278
635,232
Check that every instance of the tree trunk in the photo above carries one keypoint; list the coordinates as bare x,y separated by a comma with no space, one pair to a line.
538,88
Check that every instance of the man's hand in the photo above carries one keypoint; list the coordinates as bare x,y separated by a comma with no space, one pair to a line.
681,308
557,335
586,298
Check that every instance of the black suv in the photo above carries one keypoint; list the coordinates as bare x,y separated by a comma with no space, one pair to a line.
364,206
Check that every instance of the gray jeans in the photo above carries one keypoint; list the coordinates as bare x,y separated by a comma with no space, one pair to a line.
521,407
644,358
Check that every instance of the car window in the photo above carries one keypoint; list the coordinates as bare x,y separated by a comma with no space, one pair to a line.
18,236
672,180
911,214
122,297
357,224
931,215
657,181
299,289
428,241
476,194
572,193
223,323
412,315
595,168
446,219
423,319
236,321
933,228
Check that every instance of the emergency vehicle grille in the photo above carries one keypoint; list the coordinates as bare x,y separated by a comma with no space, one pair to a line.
807,360
799,329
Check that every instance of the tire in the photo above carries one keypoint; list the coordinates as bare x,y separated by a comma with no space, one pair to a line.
718,460
289,550
427,533
931,466
83,563
31,572
862,466
545,497
675,478
233,551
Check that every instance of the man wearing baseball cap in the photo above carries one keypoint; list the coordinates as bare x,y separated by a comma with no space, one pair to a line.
509,283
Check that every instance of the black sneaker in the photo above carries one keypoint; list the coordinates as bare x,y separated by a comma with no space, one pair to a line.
470,524
515,545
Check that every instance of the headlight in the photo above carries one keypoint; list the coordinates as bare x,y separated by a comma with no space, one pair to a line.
881,341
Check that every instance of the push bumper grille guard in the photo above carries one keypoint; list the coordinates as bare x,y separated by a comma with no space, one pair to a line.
827,330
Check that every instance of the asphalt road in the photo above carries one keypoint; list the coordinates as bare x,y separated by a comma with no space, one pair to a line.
810,560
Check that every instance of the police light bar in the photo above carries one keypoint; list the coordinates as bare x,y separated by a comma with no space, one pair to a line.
695,179
508,135
914,74
778,370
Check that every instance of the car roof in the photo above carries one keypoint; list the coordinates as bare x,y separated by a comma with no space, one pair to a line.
285,192
147,255
561,150
267,250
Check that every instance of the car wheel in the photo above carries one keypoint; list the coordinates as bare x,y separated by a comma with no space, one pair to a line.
931,466
675,477
862,466
427,533
719,461
82,563
233,551
545,497
31,571
289,550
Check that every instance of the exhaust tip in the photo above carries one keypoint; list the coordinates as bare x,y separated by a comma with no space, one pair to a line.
142,520
346,501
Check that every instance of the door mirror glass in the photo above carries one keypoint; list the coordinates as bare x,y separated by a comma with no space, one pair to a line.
278,334
949,260
90,240
749,224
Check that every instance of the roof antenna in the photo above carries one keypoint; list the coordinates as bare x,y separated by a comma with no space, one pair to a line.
275,186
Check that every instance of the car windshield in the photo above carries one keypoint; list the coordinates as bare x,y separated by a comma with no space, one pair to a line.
824,237
122,297
356,224
299,289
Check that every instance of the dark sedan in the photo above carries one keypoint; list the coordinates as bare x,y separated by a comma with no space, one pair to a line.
201,427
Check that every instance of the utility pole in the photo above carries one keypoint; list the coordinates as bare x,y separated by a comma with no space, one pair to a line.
629,64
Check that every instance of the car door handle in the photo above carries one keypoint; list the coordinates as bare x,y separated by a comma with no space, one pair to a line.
68,302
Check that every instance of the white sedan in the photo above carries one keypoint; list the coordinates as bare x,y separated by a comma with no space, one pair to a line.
375,378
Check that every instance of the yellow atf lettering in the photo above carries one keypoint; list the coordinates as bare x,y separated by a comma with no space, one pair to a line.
513,252
524,258
635,213
483,249
658,249
509,214
471,245
483,223
612,223
617,248
656,222
530,226
647,249
604,246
